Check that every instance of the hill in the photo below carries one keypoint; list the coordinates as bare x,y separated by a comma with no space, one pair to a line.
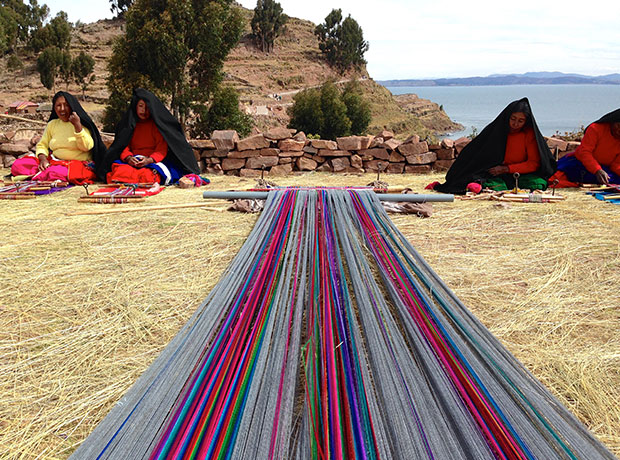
528,78
267,82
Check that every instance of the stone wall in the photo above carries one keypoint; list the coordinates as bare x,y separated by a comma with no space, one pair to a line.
282,151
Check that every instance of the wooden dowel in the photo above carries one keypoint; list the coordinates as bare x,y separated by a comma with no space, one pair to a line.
145,208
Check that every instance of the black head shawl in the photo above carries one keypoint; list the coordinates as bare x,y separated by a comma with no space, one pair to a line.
611,117
178,148
488,149
98,151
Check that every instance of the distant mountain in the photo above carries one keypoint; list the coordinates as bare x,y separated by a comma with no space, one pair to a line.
528,78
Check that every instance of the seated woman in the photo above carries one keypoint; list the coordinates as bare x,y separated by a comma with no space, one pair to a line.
597,159
512,143
149,145
69,149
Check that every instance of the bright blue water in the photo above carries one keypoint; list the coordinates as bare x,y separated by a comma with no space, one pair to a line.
562,108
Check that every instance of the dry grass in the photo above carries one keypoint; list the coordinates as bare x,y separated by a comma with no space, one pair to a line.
87,302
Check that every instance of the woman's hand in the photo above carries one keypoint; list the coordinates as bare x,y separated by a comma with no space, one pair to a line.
132,161
144,162
44,163
602,177
499,170
74,119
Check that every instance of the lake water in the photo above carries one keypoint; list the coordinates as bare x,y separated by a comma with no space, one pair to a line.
562,108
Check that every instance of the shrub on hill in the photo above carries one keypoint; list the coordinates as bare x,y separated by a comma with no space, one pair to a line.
342,42
267,23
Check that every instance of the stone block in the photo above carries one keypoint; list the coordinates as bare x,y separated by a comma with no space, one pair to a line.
417,169
197,154
107,140
201,144
340,164
460,144
413,139
376,153
554,142
215,169
376,142
285,160
259,162
447,143
281,170
396,157
366,141
350,142
15,149
445,154
306,164
395,168
255,142
322,144
298,153
277,134
271,152
413,149
385,134
229,164
442,165
245,172
334,153
356,162
421,158
291,145
300,136
375,165
225,139
325,167
8,160
243,154
311,150
391,144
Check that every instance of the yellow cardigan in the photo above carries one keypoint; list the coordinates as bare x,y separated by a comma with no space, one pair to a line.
61,139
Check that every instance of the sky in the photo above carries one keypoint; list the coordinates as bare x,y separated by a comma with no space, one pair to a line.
448,39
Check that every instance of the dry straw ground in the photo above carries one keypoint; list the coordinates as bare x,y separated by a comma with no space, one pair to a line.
87,302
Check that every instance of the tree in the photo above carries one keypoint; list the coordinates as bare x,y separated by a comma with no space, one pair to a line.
56,33
329,112
20,20
119,7
48,64
342,42
175,49
267,23
82,68
64,67
224,113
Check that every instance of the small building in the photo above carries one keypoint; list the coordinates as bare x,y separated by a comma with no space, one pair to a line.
22,107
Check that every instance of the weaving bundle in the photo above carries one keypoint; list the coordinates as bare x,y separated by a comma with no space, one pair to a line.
329,337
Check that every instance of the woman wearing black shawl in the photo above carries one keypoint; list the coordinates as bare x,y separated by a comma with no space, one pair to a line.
70,147
597,159
139,152
512,143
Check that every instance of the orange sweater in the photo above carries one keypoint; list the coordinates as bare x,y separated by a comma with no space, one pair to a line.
598,147
146,141
522,154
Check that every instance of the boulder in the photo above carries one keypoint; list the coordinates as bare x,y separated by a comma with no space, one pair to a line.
281,170
366,141
15,149
325,167
291,145
311,150
7,160
225,139
376,142
460,143
229,164
277,134
413,149
340,164
322,144
255,142
306,164
417,169
356,162
421,158
259,162
300,136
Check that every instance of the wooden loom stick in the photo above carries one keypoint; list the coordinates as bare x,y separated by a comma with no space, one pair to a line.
146,208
